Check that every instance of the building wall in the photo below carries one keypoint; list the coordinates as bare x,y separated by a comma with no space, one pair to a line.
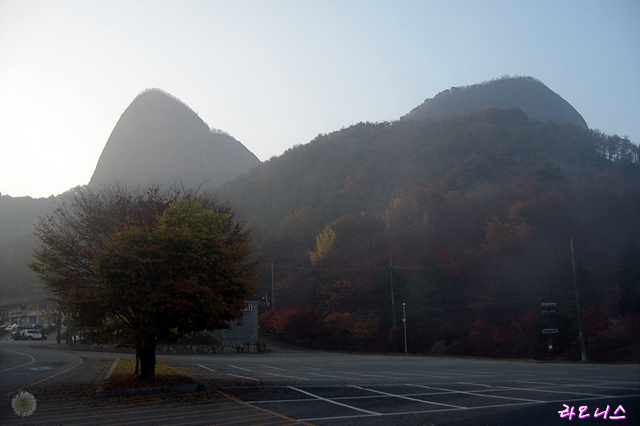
29,310
243,330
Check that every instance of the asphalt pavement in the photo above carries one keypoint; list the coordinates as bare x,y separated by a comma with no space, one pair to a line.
67,396
292,386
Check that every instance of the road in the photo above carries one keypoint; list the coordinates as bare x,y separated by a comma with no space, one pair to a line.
339,389
24,363
324,388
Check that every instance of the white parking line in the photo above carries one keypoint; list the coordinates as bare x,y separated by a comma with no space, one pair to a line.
333,377
232,375
424,375
288,377
15,352
435,407
555,391
615,386
366,375
409,398
479,393
334,402
239,368
275,368
474,384
470,373
244,377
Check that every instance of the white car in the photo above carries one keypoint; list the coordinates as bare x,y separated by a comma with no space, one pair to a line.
33,335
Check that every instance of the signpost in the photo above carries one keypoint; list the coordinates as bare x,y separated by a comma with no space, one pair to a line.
549,310
404,320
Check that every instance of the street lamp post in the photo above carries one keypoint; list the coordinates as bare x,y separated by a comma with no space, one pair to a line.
583,348
404,320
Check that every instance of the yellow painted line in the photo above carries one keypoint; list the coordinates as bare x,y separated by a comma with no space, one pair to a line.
154,413
113,418
227,414
242,419
265,410
164,418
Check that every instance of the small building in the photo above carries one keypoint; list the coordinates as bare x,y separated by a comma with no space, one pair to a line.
26,310
243,330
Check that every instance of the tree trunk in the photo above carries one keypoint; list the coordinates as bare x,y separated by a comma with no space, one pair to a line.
137,369
59,325
148,362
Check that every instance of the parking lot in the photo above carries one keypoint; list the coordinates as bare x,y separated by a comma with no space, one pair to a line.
323,388
334,389
22,332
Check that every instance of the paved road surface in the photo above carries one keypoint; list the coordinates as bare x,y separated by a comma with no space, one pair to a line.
320,388
340,389
24,363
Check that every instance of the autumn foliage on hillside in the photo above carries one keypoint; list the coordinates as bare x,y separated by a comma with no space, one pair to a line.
466,221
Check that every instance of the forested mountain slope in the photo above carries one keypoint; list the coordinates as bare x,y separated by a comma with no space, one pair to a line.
474,213
465,219
17,216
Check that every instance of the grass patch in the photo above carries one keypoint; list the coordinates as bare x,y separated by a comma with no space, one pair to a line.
123,378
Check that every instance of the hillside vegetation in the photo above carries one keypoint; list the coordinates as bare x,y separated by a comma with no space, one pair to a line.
460,216
465,220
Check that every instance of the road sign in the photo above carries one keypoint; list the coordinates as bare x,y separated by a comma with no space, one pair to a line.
548,307
550,331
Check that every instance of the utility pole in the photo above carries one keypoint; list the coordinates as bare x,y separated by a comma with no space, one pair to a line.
273,295
404,320
583,348
393,300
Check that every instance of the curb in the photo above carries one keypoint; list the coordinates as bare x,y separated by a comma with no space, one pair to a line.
143,391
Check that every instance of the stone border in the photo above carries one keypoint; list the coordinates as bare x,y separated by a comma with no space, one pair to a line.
190,349
100,393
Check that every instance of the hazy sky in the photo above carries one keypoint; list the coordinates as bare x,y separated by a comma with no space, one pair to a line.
276,73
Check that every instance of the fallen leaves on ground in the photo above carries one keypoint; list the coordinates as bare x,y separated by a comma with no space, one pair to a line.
123,377
70,390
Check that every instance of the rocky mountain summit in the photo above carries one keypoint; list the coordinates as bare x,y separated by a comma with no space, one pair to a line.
159,139
527,93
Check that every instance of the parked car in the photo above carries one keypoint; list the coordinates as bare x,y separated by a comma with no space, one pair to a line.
16,334
33,335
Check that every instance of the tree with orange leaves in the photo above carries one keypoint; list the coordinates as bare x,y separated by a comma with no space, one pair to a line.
183,270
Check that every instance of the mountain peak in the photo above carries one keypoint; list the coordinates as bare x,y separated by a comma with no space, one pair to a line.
159,139
527,93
